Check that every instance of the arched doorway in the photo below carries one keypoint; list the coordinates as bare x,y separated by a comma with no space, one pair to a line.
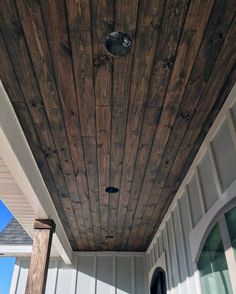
158,282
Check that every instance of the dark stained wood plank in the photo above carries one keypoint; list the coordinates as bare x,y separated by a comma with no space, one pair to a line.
92,176
148,30
216,84
196,20
31,136
32,23
13,89
103,144
71,149
39,261
14,39
221,17
217,28
102,23
102,20
215,93
79,24
167,197
175,12
122,73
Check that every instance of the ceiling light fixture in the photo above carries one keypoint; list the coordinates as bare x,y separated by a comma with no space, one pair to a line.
112,190
118,43
109,237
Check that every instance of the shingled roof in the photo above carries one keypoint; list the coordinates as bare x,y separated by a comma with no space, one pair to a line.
14,234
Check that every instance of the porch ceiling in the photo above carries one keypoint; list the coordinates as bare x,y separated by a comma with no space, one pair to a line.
133,122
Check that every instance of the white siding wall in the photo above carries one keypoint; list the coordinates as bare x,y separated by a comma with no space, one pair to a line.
98,273
209,185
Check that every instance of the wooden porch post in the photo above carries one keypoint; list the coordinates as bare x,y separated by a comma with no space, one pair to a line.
38,270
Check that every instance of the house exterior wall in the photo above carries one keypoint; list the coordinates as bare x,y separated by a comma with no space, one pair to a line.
100,273
208,189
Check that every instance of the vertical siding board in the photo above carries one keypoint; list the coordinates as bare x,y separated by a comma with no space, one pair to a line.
66,281
153,256
114,273
148,261
233,113
214,169
140,275
185,217
225,155
189,216
23,276
179,246
210,193
157,250
132,275
173,253
194,200
104,275
231,126
85,275
92,274
200,192
160,241
183,270
123,275
175,248
15,277
95,274
168,259
52,277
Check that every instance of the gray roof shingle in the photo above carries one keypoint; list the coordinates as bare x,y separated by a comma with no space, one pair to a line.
14,234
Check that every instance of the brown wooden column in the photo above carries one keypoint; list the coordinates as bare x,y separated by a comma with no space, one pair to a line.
38,270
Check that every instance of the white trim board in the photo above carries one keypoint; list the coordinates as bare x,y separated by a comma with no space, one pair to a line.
205,145
110,253
222,205
161,262
15,250
16,154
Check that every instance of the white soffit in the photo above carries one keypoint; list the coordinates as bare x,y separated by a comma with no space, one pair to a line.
22,188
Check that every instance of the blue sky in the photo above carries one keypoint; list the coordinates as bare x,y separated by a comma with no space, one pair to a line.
6,263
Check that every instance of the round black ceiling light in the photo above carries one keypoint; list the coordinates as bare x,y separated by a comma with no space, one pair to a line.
112,190
109,237
118,43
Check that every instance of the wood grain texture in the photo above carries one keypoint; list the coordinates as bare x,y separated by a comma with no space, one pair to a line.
163,64
39,261
135,122
148,30
79,26
209,96
102,12
122,73
186,54
15,42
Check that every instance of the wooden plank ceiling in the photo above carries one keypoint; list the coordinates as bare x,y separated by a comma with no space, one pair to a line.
135,122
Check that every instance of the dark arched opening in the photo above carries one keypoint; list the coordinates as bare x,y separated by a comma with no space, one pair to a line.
158,282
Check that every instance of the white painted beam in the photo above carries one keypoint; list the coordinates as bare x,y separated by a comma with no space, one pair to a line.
15,250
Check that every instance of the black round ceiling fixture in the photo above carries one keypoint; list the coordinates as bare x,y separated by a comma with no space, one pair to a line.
109,237
112,190
118,43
